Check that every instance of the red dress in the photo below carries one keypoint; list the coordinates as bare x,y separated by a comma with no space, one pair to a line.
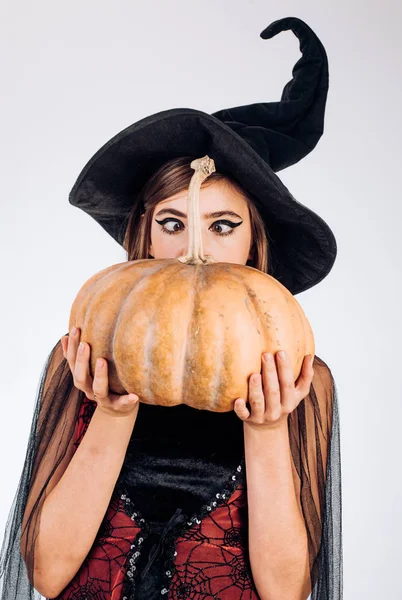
199,557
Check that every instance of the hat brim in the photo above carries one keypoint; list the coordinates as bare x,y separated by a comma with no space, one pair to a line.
302,246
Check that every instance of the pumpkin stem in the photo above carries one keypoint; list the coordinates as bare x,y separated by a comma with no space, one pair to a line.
203,167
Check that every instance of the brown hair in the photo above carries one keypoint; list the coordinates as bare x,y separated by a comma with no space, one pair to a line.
170,179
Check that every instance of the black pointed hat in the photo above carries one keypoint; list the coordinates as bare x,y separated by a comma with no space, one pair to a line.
249,142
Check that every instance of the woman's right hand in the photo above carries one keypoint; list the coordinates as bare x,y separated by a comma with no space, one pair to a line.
112,404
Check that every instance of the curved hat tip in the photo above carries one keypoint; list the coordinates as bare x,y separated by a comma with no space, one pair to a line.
294,23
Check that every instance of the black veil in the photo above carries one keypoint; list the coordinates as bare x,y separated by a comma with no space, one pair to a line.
315,446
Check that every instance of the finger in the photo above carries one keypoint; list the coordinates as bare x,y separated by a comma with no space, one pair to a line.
73,341
286,381
100,385
241,409
256,397
270,383
82,375
305,378
64,344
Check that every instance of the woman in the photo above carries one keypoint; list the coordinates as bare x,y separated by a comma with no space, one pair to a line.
158,501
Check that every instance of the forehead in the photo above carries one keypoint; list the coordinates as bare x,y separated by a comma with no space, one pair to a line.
215,194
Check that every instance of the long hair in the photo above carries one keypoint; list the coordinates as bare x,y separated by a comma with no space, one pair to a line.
171,178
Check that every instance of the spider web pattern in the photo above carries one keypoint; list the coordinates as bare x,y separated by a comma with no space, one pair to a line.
101,575
212,557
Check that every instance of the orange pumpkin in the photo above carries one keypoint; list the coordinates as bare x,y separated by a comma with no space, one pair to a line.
189,330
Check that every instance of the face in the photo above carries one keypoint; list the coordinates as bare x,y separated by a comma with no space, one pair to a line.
169,230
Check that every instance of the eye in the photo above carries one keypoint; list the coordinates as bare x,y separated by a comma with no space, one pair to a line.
163,223
228,224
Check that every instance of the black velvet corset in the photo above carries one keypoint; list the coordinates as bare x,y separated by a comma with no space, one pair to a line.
179,457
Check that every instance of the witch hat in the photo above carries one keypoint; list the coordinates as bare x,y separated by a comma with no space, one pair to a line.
250,142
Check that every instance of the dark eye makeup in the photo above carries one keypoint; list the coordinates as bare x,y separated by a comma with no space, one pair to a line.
224,222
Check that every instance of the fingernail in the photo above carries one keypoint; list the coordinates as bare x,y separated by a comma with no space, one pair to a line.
282,354
73,331
267,356
81,347
312,359
99,363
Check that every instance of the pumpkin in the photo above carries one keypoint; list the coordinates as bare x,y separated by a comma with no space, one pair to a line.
189,330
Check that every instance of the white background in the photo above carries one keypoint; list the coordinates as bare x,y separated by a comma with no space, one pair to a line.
73,74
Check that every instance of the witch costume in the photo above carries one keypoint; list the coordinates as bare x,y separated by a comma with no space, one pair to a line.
176,524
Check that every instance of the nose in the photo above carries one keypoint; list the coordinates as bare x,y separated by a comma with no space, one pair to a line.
205,245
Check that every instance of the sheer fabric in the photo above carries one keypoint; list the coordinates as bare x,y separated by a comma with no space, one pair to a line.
315,446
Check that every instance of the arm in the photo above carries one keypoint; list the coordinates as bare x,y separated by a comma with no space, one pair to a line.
288,439
73,510
278,545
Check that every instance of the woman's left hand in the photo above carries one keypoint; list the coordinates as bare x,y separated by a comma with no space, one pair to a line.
273,394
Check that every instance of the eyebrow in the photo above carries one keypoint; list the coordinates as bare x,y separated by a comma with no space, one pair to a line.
212,215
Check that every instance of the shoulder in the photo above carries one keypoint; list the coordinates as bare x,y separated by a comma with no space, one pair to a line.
322,378
321,398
